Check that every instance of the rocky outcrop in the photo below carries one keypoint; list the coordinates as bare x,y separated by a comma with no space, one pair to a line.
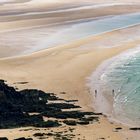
17,108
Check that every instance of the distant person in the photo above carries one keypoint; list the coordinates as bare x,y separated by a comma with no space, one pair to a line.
113,92
95,93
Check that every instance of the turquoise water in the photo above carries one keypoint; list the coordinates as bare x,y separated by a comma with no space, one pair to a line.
122,74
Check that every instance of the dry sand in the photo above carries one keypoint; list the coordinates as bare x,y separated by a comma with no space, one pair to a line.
66,68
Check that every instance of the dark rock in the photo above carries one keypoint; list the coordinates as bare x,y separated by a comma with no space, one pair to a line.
62,105
118,128
71,101
3,138
39,134
135,128
22,138
70,122
48,123
66,114
90,119
50,134
16,108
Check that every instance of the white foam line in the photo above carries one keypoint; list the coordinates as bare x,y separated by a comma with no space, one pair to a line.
93,83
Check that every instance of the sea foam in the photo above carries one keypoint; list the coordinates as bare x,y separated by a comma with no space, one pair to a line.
118,83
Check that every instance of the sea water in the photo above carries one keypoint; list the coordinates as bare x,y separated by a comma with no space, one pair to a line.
84,28
37,39
118,83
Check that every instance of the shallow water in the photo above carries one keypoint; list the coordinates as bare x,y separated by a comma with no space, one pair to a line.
36,39
92,27
122,74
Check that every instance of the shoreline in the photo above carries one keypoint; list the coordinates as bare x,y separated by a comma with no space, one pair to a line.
103,103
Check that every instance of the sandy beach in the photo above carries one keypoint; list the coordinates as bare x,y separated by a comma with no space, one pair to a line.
63,68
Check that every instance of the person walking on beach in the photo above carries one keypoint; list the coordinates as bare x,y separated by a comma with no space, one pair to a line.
95,93
113,92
